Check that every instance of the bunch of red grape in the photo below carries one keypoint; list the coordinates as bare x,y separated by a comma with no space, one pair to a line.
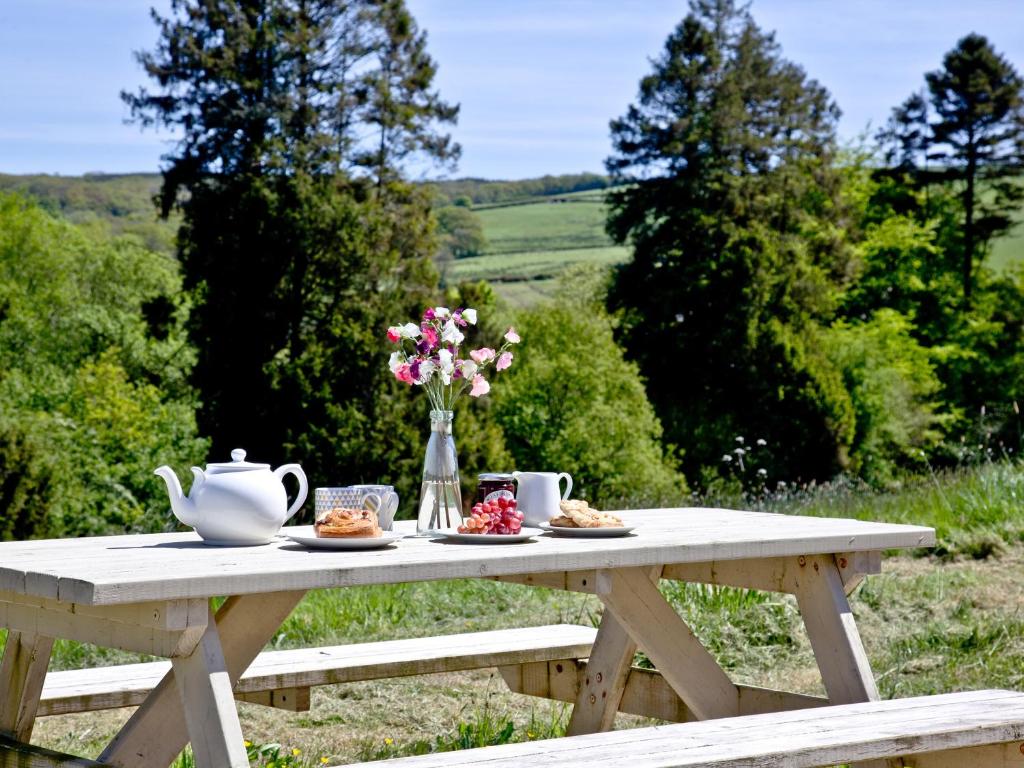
499,516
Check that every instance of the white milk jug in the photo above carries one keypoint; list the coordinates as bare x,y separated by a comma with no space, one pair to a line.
537,496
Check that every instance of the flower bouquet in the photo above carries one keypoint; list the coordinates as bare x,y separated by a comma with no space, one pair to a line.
429,356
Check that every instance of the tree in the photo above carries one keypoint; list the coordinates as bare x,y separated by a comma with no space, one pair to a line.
462,234
300,240
571,402
974,130
94,363
729,199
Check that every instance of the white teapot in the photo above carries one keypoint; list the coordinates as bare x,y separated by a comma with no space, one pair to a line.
235,502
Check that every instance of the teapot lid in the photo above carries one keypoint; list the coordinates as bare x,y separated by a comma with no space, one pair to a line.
237,464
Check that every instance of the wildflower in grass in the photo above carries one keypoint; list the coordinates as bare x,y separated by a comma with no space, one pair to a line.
296,751
323,760
389,741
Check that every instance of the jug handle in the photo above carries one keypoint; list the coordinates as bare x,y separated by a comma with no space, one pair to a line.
296,470
568,484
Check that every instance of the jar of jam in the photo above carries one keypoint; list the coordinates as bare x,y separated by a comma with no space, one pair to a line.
495,485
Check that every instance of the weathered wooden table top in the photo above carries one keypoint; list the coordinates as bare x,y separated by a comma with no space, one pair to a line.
110,570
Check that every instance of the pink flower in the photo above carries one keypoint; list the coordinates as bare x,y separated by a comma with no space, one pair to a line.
482,355
404,373
511,336
504,361
429,333
394,334
480,386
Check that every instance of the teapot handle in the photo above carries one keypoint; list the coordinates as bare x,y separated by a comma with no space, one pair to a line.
568,484
296,470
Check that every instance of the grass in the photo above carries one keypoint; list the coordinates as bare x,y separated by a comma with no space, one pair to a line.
1008,251
533,241
534,265
948,622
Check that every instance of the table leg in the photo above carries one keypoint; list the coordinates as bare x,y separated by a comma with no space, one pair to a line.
676,652
833,633
158,731
22,672
210,714
607,669
836,643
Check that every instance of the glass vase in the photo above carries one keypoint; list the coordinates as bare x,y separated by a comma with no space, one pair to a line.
440,494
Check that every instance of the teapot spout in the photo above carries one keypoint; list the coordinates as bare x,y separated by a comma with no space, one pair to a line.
183,507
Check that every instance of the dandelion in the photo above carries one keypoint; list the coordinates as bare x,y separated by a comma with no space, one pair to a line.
389,741
324,761
247,743
296,751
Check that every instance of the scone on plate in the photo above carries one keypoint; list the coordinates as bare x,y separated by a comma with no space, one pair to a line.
576,513
342,522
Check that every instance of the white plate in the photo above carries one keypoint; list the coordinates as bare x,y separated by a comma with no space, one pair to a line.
588,533
306,535
525,534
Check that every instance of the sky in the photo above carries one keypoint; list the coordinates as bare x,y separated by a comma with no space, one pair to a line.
537,80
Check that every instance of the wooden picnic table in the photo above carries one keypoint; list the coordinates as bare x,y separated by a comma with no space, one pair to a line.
151,593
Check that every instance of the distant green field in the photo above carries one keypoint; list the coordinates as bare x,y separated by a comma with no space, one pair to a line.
1009,250
548,224
531,242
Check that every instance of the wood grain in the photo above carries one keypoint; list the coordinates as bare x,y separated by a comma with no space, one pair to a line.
22,673
132,569
157,732
85,690
666,639
801,739
20,755
646,692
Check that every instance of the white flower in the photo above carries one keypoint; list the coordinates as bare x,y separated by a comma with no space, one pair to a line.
739,440
409,331
396,359
761,441
446,367
426,370
762,472
727,458
469,315
441,312
451,333
468,368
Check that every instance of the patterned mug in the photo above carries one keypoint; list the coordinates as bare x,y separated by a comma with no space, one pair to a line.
388,502
348,496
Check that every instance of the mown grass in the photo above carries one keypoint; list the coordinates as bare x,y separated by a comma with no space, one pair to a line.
534,265
546,224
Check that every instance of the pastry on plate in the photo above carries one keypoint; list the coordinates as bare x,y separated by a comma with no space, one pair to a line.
344,522
576,513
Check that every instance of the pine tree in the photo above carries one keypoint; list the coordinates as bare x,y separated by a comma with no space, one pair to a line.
298,259
728,198
969,132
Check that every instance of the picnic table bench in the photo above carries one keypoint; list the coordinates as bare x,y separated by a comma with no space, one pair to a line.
151,594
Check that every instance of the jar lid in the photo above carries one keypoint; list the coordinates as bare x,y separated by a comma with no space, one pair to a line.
505,476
